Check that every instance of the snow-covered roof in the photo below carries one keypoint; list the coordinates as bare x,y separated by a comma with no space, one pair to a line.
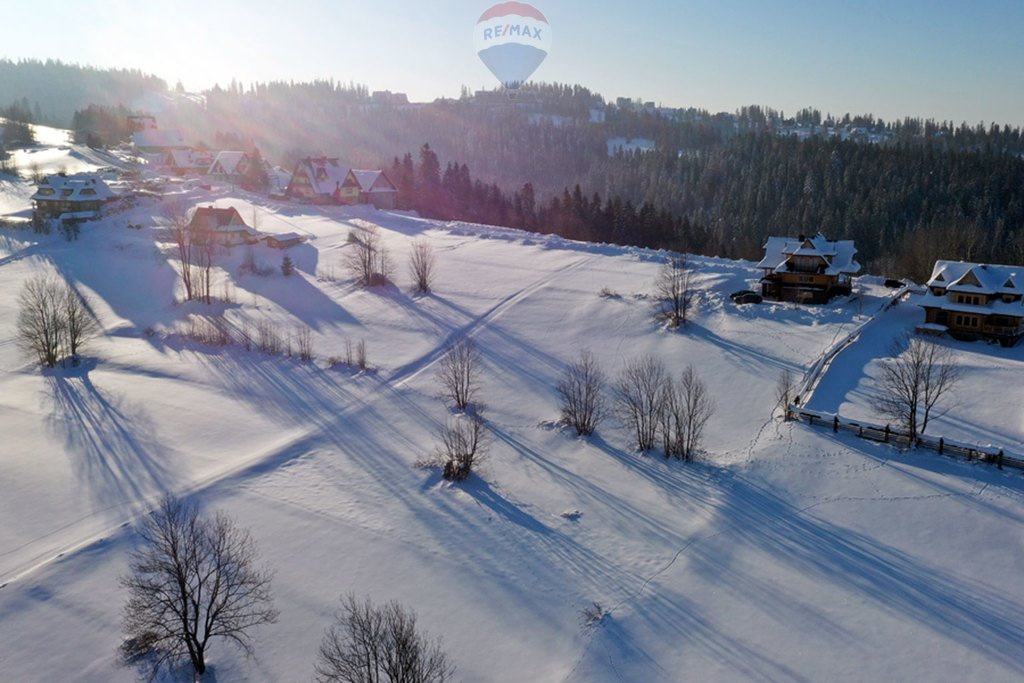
158,139
286,237
81,187
188,158
373,181
326,175
228,162
837,256
220,220
977,278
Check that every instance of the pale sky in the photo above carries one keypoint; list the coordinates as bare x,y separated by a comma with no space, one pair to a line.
954,60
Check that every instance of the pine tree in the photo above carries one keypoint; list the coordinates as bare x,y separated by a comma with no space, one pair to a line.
287,267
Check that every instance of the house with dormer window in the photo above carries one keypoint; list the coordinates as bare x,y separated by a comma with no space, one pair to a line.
807,269
77,197
975,301
318,180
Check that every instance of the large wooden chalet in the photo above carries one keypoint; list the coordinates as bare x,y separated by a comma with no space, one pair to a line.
71,197
975,301
807,269
323,180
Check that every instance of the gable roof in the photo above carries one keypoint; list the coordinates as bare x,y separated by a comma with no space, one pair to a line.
838,255
373,181
977,278
81,187
228,162
325,174
212,218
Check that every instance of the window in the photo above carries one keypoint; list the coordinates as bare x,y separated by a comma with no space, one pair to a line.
967,321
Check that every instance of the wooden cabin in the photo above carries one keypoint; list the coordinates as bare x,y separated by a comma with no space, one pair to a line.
974,301
82,195
225,225
807,269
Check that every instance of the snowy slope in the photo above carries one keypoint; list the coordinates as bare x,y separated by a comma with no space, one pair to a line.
786,555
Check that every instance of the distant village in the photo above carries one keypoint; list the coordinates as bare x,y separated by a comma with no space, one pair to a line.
968,301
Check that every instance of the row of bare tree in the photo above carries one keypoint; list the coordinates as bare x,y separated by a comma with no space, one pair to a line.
54,320
656,407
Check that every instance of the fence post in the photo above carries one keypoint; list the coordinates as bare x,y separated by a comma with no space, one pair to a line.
1000,458
810,419
970,454
835,424
942,445
887,431
860,431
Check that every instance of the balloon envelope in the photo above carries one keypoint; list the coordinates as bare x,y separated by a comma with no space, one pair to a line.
512,39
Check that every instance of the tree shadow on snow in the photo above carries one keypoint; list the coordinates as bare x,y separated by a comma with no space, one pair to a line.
112,444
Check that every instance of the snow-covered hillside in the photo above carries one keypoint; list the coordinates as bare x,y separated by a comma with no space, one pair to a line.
786,554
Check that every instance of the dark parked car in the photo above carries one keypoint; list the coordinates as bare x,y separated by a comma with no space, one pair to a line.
746,296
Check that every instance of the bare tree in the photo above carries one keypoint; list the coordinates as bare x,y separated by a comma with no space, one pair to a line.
686,409
581,390
369,261
42,326
371,644
191,580
304,343
674,289
178,218
459,373
639,392
204,247
422,263
914,380
463,446
785,392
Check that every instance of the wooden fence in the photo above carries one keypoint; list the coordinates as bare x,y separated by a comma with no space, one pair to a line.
886,434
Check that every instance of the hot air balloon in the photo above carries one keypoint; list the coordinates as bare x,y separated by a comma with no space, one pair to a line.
512,39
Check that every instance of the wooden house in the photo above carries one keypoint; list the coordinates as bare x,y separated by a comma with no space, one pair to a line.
318,180
229,166
807,269
975,301
372,187
186,162
80,196
225,226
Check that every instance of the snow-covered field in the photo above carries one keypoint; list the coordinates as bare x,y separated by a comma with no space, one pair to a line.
786,554
986,408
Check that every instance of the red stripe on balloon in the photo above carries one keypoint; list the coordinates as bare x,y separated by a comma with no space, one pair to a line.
518,8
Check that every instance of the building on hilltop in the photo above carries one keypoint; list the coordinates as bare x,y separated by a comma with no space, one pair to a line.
975,301
807,269
71,197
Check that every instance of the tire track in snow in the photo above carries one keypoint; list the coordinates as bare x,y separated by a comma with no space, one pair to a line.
290,449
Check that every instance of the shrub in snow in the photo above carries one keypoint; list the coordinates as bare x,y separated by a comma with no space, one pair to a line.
304,343
368,260
462,447
375,643
639,393
686,408
458,373
581,390
422,263
674,289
